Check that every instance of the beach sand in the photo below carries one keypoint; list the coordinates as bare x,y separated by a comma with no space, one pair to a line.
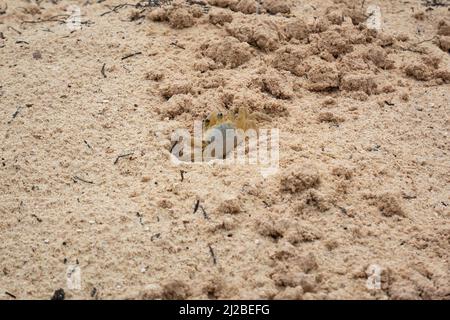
359,207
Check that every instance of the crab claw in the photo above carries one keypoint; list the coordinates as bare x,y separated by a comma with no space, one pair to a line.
243,119
211,120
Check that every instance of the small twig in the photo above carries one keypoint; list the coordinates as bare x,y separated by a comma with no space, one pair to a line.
139,215
36,217
118,7
426,40
122,156
10,294
197,2
14,29
411,49
343,210
197,204
103,70
45,20
175,43
142,4
15,114
173,146
205,215
21,41
182,172
155,236
76,179
87,144
131,55
213,255
434,3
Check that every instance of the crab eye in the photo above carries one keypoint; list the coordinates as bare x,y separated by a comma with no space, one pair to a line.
220,115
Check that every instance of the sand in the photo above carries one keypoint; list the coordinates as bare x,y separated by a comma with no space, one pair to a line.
89,193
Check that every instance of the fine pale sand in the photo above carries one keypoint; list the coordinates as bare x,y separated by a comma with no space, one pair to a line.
359,207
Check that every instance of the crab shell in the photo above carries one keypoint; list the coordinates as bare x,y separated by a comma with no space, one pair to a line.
242,120
225,131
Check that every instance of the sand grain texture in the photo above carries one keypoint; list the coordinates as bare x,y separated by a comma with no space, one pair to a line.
85,171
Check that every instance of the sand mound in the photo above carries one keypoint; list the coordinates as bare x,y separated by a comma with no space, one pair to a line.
88,182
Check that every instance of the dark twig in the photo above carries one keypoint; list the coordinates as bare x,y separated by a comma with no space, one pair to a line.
421,51
15,114
155,236
197,204
87,144
14,29
44,20
173,146
197,2
343,210
175,43
10,294
182,172
76,179
122,156
141,4
426,40
205,215
213,255
435,3
103,70
131,55
36,217
139,215
117,8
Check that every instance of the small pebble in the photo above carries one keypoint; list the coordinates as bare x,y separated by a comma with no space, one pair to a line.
37,55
